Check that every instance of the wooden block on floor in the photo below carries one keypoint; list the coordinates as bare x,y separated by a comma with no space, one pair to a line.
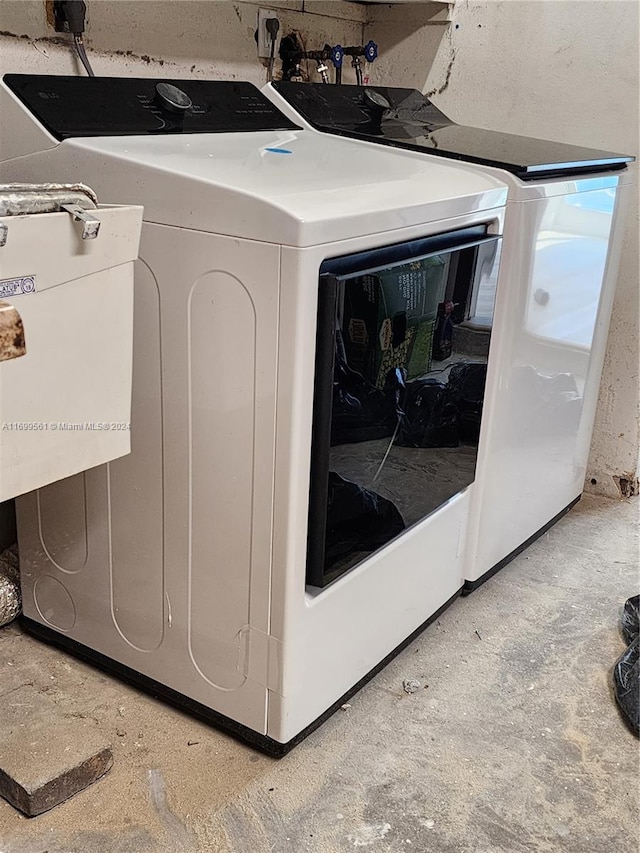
46,755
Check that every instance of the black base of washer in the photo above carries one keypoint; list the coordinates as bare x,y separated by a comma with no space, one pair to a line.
160,691
469,586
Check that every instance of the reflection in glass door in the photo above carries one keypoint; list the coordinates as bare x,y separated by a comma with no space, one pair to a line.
401,354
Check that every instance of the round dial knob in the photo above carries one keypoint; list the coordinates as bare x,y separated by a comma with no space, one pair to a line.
375,99
171,98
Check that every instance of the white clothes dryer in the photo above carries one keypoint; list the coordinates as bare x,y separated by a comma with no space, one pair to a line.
560,255
268,543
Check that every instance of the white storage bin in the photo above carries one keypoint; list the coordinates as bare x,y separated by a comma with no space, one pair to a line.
65,405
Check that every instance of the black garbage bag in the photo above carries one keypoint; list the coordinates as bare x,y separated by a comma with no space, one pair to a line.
443,333
361,412
630,619
626,685
358,519
430,415
467,381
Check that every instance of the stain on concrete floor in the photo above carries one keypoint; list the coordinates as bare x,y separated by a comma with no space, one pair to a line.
514,745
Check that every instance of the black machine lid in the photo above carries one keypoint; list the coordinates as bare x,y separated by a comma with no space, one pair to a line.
129,106
405,118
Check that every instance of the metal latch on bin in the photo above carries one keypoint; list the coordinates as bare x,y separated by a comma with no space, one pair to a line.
29,199
90,225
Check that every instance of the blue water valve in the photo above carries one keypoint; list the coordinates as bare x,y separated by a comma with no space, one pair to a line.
370,51
337,55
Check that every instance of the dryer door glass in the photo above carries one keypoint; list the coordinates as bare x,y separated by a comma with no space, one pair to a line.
401,360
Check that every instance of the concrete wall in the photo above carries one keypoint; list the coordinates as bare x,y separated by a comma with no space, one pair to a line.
565,71
562,70
213,39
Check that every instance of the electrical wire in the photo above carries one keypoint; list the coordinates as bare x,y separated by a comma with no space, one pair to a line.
82,54
384,458
271,60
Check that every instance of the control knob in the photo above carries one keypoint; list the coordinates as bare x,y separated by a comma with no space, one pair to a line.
172,99
375,99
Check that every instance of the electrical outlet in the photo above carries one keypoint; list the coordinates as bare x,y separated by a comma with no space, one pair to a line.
264,38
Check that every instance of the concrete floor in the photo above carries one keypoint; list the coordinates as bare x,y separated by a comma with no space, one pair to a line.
515,743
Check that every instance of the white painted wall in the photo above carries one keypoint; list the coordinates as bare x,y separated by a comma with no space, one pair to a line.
566,71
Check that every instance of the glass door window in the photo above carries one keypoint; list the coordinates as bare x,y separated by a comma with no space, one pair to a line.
400,375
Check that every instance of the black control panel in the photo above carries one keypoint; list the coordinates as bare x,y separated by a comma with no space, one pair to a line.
362,108
405,118
119,106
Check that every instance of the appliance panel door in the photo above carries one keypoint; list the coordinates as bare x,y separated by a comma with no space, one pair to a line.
400,372
162,562
555,302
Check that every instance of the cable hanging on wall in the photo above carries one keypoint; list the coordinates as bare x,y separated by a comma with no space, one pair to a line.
82,53
70,18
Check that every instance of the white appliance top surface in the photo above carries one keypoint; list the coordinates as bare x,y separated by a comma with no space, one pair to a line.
292,187
519,190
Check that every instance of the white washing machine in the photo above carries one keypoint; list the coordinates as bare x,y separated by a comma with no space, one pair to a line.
562,239
270,540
